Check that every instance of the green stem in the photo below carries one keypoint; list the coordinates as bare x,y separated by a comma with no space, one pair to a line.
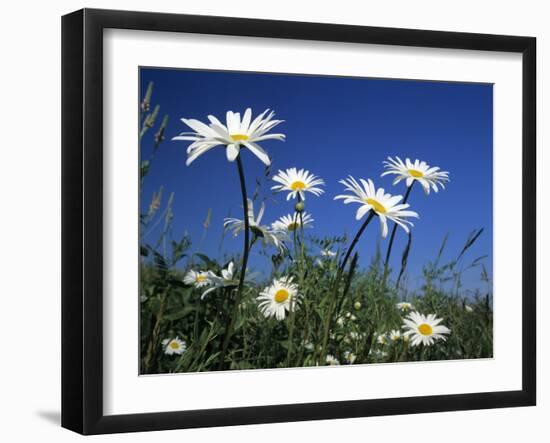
246,250
392,237
336,283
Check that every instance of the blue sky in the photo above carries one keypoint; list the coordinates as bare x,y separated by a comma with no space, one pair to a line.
335,126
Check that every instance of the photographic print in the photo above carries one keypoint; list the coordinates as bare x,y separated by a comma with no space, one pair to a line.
292,220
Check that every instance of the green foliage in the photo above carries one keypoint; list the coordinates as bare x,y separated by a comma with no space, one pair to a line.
363,309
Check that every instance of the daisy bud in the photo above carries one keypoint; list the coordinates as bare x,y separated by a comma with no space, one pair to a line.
357,305
300,206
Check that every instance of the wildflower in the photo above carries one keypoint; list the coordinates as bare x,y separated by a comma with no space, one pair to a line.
278,298
428,177
174,346
384,205
297,183
424,329
233,135
332,361
328,253
468,308
350,357
357,305
395,335
198,279
226,280
289,223
404,306
382,339
269,236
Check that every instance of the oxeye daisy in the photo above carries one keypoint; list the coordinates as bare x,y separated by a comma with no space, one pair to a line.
174,346
385,206
395,335
420,171
269,236
226,280
290,223
424,329
198,279
297,183
278,298
382,339
350,357
332,360
404,306
237,132
328,253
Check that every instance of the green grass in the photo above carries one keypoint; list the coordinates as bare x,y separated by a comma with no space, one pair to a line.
359,315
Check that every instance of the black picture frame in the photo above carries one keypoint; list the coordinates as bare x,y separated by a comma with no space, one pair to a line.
82,219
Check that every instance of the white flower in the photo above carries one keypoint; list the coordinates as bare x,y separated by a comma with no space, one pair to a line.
289,223
382,339
384,205
424,329
269,236
468,308
279,297
332,361
395,335
235,133
297,182
174,346
419,171
199,279
328,253
221,282
404,306
350,357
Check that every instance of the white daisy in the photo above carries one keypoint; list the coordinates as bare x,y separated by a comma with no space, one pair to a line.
279,297
385,206
395,335
419,171
404,306
235,133
424,329
198,279
328,253
468,308
226,280
174,346
382,339
297,183
332,360
290,223
269,236
350,357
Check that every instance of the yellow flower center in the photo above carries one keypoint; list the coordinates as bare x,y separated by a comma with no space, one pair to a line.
415,173
298,185
376,205
425,329
292,226
174,345
200,278
239,137
281,295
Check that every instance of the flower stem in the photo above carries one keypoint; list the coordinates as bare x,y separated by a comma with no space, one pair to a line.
336,283
246,250
354,242
392,237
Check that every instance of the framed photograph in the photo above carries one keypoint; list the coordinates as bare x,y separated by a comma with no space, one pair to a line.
269,221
